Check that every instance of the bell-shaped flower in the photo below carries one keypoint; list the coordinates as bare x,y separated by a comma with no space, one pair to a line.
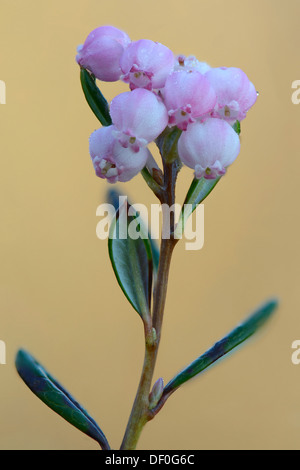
188,96
235,93
146,64
111,160
190,64
139,116
101,52
209,147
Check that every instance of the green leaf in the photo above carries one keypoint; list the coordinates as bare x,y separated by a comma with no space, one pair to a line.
155,253
167,144
47,389
223,347
113,198
94,97
132,260
237,127
198,191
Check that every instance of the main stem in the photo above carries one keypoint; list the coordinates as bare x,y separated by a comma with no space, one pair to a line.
140,413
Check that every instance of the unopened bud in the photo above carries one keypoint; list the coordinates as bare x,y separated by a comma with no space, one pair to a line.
156,393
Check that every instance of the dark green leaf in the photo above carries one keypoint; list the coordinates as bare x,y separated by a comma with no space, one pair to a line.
237,127
113,198
198,191
223,347
132,260
47,389
167,144
155,253
94,97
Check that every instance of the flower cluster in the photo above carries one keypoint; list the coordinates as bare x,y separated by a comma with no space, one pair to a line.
166,91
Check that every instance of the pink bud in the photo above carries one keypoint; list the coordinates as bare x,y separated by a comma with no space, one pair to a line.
139,117
111,160
209,147
102,51
146,64
187,96
235,93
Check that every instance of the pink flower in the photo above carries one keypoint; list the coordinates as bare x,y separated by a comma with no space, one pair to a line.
190,63
187,96
235,93
146,64
101,52
111,160
139,116
209,147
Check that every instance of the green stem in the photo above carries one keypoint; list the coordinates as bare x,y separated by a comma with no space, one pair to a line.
160,292
140,413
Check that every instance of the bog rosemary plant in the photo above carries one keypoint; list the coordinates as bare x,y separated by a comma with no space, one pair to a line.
193,113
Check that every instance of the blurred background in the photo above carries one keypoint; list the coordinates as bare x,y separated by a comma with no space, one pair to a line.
58,294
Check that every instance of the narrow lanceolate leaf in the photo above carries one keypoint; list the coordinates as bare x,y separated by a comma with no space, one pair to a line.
223,347
113,197
94,97
198,191
47,389
131,258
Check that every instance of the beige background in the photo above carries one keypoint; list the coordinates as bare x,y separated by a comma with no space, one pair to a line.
58,295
